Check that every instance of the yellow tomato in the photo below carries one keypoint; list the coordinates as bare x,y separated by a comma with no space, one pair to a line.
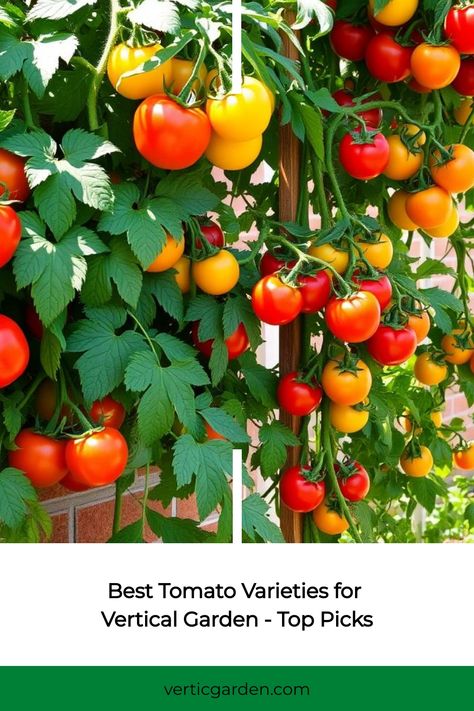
397,211
436,417
168,256
329,521
463,111
182,70
125,59
410,129
379,254
337,258
218,274
428,371
244,116
395,12
448,228
347,419
417,466
183,274
233,155
457,352
402,163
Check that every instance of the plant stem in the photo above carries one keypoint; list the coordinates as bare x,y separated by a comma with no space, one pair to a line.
101,67
26,104
328,455
318,178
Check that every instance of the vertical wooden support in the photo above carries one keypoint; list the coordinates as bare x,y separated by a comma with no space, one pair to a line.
290,336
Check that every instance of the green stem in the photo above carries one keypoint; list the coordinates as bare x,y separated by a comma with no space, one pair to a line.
318,177
31,391
28,115
147,337
329,457
467,126
101,67
145,496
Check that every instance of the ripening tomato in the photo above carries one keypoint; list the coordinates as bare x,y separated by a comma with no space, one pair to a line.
459,28
402,163
355,486
463,111
298,492
350,41
329,521
379,254
108,412
169,255
348,419
344,385
183,274
315,290
395,12
213,234
271,263
428,371
421,324
218,274
97,459
46,400
233,155
354,318
430,207
372,117
387,60
455,175
211,433
458,346
449,227
436,417
298,397
275,302
397,211
243,116
379,286
364,159
435,66
337,258
464,82
392,346
182,70
236,344
14,351
13,176
419,465
464,458
10,233
124,59
168,135
41,458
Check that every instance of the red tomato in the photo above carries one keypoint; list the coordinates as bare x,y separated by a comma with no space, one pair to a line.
387,60
315,290
69,482
364,160
274,302
464,82
12,175
10,233
97,459
299,493
380,287
168,135
459,28
108,412
297,397
416,86
354,487
236,344
355,318
373,117
41,458
350,41
14,351
271,263
392,346
213,234
33,322
211,433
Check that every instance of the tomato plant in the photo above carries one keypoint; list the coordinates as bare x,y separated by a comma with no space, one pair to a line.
157,225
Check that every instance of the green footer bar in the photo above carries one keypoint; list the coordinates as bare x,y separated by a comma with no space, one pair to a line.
221,688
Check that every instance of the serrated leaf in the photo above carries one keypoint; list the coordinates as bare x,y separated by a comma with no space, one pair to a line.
275,438
55,205
256,521
174,348
314,128
155,413
239,310
139,371
56,9
168,294
209,313
6,117
175,530
424,491
15,491
224,424
43,58
218,361
122,269
133,533
261,382
159,15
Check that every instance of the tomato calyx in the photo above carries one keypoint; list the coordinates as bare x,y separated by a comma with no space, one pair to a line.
346,468
347,362
314,471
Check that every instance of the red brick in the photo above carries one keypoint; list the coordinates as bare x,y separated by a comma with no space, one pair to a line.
94,523
60,528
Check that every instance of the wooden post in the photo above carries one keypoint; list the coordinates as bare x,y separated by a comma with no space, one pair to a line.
290,336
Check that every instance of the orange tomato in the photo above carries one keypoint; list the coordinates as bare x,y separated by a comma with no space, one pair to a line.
169,255
379,254
402,163
417,466
430,207
435,66
182,70
448,228
428,371
346,387
457,352
464,458
421,324
397,211
457,174
337,258
124,59
183,274
329,521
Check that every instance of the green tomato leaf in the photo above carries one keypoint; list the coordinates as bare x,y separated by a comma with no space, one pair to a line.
16,491
255,520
